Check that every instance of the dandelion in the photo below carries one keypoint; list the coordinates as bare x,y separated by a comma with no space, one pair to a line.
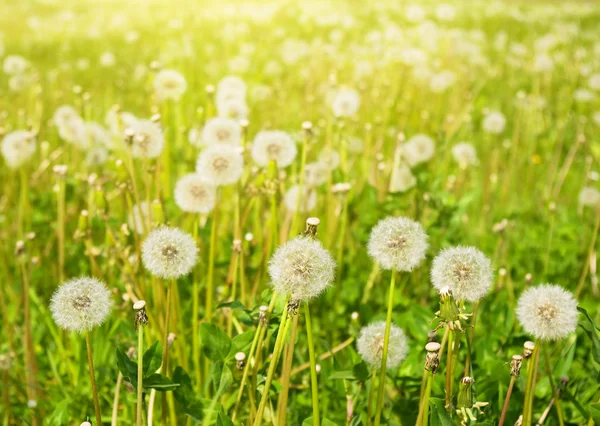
442,81
402,179
329,159
235,109
466,271
17,148
81,304
221,164
494,123
301,268
169,84
15,65
398,243
315,174
195,194
169,253
583,95
232,82
589,196
418,149
147,140
464,154
345,103
107,60
547,312
219,130
96,156
307,199
97,135
445,12
273,145
370,345
594,81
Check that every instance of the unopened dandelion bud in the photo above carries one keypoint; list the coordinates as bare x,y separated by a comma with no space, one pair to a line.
306,126
60,170
140,313
240,359
354,316
465,392
20,248
528,348
519,421
263,315
249,236
432,360
515,365
100,200
449,311
528,278
311,226
82,223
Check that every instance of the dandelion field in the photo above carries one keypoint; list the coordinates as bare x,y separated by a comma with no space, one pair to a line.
302,213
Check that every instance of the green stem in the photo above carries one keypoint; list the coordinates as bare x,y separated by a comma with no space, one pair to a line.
88,343
370,402
195,310
165,352
559,412
140,374
246,370
386,341
313,369
450,369
211,268
425,401
507,400
530,385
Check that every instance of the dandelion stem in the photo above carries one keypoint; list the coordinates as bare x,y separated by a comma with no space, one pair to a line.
211,269
285,375
195,310
115,411
559,412
507,400
88,343
140,374
313,368
532,365
246,370
425,400
450,368
165,352
370,400
386,341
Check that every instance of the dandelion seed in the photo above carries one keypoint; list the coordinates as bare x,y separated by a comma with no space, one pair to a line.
169,253
147,140
81,304
169,84
370,345
273,145
466,271
221,164
195,194
17,148
219,130
547,312
494,123
308,199
398,243
301,268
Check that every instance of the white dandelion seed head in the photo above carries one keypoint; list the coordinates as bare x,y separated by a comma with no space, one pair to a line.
442,81
589,196
148,140
414,13
543,63
304,201
107,60
195,137
494,123
96,156
355,145
398,243
547,312
594,81
345,103
15,65
139,216
402,179
301,268
370,345
232,83
81,304
74,131
583,95
219,130
273,145
445,12
229,94
329,158
465,154
97,135
17,148
236,109
418,149
315,174
117,121
221,164
169,253
169,84
195,194
466,271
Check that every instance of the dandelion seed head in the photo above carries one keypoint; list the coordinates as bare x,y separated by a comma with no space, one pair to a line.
315,174
464,154
589,196
219,130
346,103
418,149
547,312
17,148
81,304
307,202
236,109
273,145
147,141
221,164
494,122
15,65
370,345
465,271
301,268
402,179
232,82
329,158
169,253
169,84
195,194
398,243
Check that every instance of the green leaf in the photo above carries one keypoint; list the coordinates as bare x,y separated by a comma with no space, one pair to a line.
152,358
241,342
221,376
215,343
439,415
127,367
222,418
184,394
60,415
159,382
342,375
361,371
595,412
324,422
584,312
236,304
590,329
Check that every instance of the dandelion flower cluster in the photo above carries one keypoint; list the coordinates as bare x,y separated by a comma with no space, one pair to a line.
547,312
418,149
301,268
398,243
17,148
346,103
370,345
219,130
169,253
169,84
466,271
195,194
147,139
81,304
221,164
273,145
494,123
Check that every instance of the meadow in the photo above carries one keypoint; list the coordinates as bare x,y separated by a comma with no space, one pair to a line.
307,213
